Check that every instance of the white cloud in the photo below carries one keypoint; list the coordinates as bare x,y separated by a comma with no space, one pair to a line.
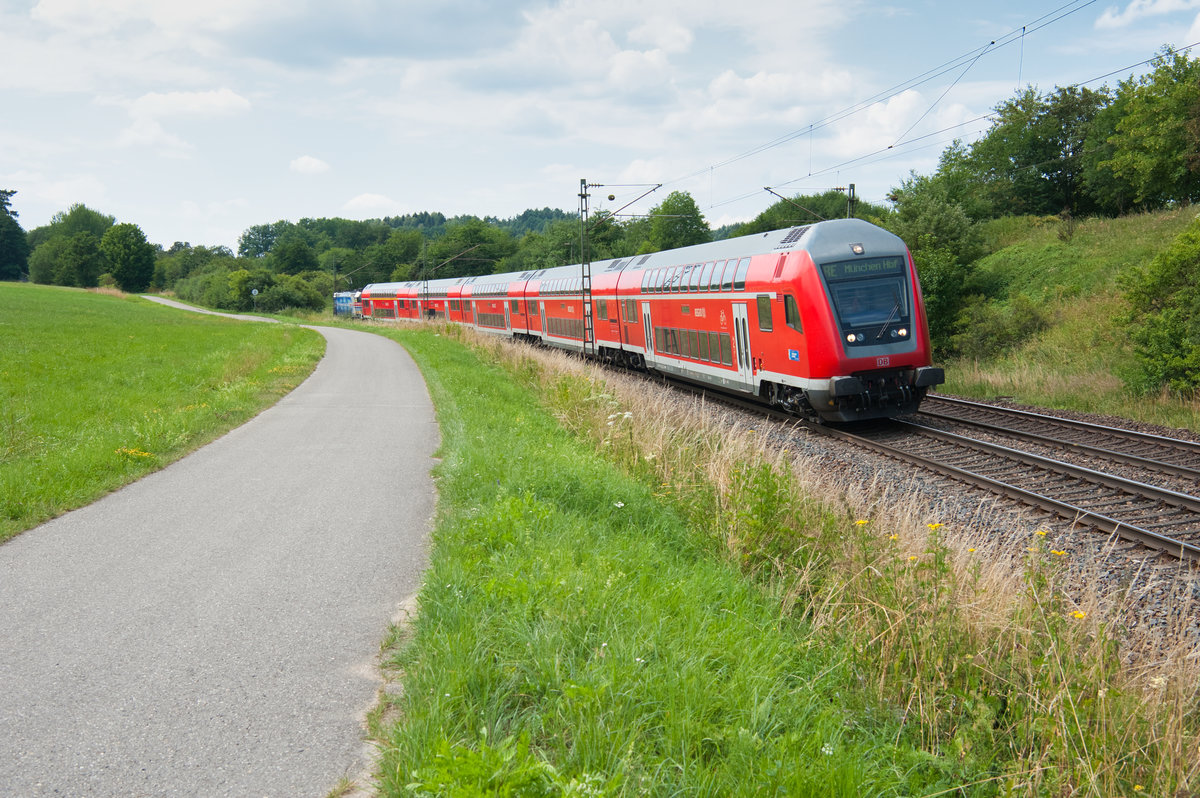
148,133
308,165
221,102
1140,9
368,206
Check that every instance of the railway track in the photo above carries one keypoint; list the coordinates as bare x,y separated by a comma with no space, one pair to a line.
1102,498
1156,453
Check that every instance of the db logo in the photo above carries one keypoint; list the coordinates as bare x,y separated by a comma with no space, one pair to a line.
883,361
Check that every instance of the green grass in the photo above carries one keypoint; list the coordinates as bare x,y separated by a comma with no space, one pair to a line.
575,634
626,605
97,390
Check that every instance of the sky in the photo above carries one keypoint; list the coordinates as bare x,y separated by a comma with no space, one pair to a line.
196,121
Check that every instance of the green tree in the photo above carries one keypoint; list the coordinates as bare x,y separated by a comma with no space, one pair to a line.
1155,140
676,222
257,241
1066,123
292,255
77,219
75,261
44,260
806,209
1164,317
242,285
944,242
470,247
130,257
14,245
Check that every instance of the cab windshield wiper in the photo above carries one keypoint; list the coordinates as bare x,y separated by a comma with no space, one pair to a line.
892,315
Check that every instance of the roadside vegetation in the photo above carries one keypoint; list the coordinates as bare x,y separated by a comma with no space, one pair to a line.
628,597
98,389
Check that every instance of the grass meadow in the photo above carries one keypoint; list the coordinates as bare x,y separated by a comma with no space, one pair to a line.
631,597
98,389
1079,362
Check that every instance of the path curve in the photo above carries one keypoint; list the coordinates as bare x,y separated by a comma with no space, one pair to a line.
212,628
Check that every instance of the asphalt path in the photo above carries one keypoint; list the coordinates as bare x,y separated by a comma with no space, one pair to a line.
213,628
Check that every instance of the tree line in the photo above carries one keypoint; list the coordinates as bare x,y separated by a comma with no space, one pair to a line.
1067,153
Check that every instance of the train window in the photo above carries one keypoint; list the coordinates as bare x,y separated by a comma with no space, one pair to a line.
764,313
660,339
791,313
659,277
706,276
697,273
695,342
739,280
514,305
726,349
646,281
602,309
703,346
727,278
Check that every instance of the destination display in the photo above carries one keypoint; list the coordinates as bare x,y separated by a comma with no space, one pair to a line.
869,267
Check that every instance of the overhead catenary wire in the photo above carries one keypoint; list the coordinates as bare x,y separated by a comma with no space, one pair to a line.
969,58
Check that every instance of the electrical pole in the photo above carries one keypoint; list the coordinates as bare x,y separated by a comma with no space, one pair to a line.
589,330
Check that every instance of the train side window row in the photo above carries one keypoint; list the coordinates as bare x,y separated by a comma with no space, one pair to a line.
491,320
707,347
719,275
565,328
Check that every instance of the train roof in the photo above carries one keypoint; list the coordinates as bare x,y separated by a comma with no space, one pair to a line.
828,240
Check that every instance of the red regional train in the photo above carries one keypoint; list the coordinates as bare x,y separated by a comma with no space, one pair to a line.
825,320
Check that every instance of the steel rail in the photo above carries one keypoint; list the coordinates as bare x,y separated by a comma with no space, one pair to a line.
1186,446
1071,512
1147,463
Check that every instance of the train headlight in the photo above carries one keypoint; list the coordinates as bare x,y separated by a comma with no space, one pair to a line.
851,337
903,332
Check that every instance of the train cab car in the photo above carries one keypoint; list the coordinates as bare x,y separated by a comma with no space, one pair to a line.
852,341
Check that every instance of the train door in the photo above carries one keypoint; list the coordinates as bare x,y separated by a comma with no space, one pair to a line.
542,310
741,326
648,329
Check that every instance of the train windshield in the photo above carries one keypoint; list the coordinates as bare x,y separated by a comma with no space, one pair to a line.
870,298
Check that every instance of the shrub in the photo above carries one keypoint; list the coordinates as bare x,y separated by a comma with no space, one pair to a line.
1164,316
